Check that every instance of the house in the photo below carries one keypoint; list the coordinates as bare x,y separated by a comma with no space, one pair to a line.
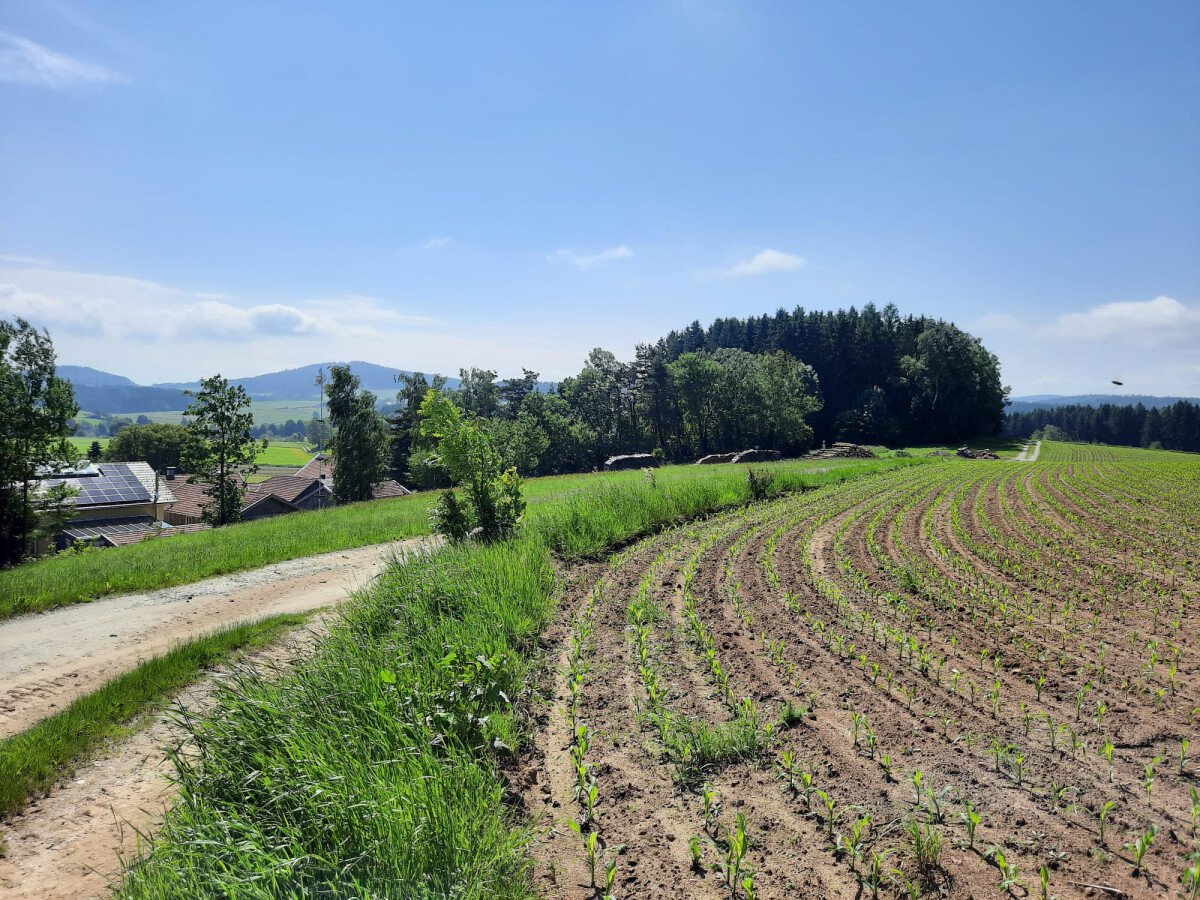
321,466
113,502
276,496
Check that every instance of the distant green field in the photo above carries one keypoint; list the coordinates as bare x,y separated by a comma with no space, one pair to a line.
266,412
284,453
281,454
83,444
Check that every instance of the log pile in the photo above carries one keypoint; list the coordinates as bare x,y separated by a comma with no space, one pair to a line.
631,461
714,458
968,453
749,456
842,450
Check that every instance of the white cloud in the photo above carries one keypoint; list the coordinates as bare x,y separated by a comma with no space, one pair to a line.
587,261
118,308
435,243
1153,346
1162,316
26,261
23,61
767,261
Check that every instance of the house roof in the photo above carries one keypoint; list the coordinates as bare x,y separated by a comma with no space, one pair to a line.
321,466
285,487
189,498
113,484
126,530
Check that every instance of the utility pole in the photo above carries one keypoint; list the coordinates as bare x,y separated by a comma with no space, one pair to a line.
319,381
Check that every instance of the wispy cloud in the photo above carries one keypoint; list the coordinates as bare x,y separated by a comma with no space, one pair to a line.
435,243
1152,345
587,261
26,261
117,308
1158,317
766,261
27,62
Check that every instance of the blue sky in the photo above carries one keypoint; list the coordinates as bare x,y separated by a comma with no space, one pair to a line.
188,188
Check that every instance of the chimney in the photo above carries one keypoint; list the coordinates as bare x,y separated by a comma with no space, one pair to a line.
170,473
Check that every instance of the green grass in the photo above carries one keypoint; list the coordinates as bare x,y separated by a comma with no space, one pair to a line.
34,759
284,453
265,412
81,445
371,769
614,514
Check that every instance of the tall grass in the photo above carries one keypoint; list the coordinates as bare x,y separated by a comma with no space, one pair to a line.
588,522
35,758
372,768
368,771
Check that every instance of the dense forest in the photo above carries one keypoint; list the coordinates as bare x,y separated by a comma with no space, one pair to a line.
781,382
1174,427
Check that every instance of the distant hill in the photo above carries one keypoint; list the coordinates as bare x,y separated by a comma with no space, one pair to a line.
78,375
1053,401
297,384
104,392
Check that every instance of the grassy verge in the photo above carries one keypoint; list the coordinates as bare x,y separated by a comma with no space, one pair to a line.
180,560
372,768
35,758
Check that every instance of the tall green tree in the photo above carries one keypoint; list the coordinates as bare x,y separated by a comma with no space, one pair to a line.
406,420
36,407
160,445
220,449
361,445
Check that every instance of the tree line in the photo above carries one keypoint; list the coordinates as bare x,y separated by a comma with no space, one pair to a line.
1174,427
776,382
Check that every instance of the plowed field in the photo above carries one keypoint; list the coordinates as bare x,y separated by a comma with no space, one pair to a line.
934,682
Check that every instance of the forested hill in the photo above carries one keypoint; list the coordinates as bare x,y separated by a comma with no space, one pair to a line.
883,377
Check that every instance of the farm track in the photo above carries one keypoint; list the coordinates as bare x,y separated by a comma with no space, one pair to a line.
49,659
989,626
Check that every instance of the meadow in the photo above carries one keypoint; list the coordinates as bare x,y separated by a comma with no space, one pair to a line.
163,562
945,679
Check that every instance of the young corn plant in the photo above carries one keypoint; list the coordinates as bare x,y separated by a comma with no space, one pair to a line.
926,843
1148,776
589,848
970,818
1140,846
1102,816
712,807
1009,874
697,854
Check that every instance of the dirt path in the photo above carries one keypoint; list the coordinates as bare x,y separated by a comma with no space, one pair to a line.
1028,454
49,659
70,844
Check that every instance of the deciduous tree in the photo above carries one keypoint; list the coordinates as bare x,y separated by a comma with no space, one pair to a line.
36,407
220,449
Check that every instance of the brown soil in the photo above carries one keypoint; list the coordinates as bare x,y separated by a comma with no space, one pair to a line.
994,575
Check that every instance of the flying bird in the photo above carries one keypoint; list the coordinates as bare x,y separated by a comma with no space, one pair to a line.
1118,382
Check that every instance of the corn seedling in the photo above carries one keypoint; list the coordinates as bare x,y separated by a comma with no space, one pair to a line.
589,848
1189,881
1148,776
712,806
610,878
697,854
1044,886
970,818
1184,743
1108,755
1008,871
1140,846
926,841
1102,816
